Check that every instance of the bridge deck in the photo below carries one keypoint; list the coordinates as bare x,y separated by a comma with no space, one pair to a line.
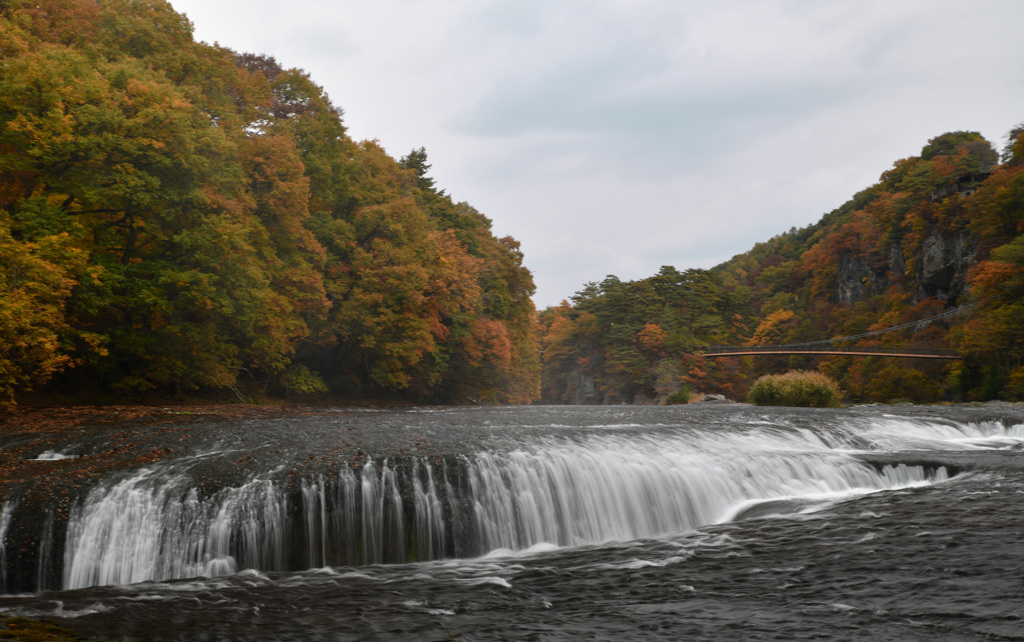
739,351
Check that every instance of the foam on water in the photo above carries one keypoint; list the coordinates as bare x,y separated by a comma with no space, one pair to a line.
50,455
6,510
892,432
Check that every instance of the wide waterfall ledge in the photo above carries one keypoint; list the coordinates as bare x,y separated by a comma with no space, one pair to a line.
518,484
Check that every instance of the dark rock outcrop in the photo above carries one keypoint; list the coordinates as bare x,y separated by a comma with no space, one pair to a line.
942,266
857,280
582,389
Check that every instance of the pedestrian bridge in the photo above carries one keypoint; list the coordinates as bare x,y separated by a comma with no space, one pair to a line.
711,352
828,346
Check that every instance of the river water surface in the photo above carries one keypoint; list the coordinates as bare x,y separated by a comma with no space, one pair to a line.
542,523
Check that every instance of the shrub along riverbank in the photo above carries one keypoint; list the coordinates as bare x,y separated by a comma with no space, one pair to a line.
797,388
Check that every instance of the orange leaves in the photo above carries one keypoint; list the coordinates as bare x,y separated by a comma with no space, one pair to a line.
558,341
1000,280
290,252
996,334
652,338
989,276
821,265
403,286
452,285
489,343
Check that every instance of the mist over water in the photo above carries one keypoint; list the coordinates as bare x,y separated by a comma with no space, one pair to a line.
548,523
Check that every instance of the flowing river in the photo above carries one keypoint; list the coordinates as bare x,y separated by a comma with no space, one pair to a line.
608,523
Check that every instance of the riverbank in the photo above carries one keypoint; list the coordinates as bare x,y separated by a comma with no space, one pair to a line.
58,418
25,630
51,418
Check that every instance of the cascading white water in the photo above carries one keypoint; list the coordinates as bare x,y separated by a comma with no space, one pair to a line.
568,490
381,514
326,526
618,488
6,510
148,528
430,531
352,520
894,433
45,565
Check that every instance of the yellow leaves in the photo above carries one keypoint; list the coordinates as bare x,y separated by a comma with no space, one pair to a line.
559,335
32,295
14,41
774,329
453,285
378,178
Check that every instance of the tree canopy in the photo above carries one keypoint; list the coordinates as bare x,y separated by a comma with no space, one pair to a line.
177,216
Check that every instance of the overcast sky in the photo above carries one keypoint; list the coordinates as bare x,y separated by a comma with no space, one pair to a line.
614,137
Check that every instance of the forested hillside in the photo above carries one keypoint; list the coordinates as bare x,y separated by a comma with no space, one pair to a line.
179,217
936,232
176,216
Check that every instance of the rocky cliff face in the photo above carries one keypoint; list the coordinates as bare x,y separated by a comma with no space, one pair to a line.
942,266
582,389
857,280
940,272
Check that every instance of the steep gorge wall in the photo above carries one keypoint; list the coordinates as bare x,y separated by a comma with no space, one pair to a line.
942,262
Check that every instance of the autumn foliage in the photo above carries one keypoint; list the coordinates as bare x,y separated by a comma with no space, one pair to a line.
635,340
938,232
176,216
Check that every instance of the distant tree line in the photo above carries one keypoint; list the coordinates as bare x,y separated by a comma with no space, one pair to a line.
937,231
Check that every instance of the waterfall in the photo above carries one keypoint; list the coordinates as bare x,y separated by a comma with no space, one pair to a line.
913,434
6,510
620,489
148,528
157,525
567,486
44,569
382,531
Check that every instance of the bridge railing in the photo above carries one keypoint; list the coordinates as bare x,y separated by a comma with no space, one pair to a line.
818,348
828,346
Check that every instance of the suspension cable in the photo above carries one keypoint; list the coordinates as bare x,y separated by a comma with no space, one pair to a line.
902,326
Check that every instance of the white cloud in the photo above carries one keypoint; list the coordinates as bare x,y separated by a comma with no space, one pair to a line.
614,137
